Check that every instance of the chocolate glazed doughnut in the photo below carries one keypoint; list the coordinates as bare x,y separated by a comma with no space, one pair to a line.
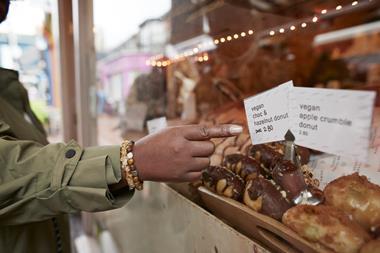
246,167
262,196
290,178
266,156
223,182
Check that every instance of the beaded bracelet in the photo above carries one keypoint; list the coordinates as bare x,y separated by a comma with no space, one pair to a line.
128,166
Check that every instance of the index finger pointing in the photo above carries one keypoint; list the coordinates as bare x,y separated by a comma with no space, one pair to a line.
199,133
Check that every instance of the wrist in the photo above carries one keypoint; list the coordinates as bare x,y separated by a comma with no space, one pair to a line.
129,172
139,163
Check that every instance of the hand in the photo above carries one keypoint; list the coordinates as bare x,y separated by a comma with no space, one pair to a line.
178,154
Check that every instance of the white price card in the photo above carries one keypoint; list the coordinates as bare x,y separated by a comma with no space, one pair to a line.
268,114
333,121
326,167
156,124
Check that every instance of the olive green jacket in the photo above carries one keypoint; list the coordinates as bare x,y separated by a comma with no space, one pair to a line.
41,182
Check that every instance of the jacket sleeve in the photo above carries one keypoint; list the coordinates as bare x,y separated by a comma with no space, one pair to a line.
38,182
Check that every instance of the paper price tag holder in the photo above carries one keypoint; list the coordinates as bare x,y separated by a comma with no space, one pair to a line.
333,121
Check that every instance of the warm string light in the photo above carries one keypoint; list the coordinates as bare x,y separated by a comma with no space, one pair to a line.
314,19
159,62
202,58
155,62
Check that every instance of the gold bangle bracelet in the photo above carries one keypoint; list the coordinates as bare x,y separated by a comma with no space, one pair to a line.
128,166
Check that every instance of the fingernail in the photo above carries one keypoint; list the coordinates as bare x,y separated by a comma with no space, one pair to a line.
236,129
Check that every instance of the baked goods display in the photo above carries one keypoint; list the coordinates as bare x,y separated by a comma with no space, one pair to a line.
347,220
269,182
326,226
357,197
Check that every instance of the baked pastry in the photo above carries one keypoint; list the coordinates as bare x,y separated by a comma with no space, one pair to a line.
266,156
246,167
327,226
371,247
309,177
303,154
289,177
356,196
220,147
223,182
262,196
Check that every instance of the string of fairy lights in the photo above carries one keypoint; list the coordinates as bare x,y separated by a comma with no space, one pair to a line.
197,55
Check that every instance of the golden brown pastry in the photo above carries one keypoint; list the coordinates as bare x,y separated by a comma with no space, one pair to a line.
262,196
246,167
327,226
371,247
356,196
223,182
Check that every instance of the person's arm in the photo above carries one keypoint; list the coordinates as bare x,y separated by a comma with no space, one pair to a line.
38,182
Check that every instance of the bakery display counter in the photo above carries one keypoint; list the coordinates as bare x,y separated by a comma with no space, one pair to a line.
159,219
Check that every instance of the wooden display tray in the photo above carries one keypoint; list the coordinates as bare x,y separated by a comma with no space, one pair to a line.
262,228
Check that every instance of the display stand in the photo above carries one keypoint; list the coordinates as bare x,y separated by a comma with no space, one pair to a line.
161,220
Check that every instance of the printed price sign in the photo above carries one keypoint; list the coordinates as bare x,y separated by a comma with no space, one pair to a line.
156,124
333,121
268,114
